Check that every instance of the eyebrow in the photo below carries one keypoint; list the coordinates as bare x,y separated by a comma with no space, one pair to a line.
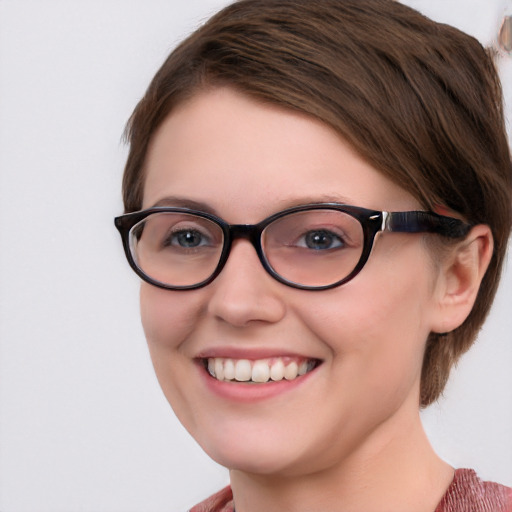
183,202
282,204
320,198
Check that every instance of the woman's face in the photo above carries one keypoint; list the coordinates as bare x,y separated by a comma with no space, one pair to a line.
245,161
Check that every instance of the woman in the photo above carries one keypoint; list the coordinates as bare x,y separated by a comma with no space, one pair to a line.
318,200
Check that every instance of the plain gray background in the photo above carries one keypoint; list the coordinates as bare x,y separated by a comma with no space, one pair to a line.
83,424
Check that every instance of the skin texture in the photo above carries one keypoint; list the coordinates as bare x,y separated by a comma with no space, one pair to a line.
353,424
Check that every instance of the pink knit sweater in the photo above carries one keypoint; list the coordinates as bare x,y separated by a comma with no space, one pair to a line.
467,493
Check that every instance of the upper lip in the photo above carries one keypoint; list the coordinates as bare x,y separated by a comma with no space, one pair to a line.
249,353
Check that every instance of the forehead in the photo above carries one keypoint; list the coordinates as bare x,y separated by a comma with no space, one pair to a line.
240,156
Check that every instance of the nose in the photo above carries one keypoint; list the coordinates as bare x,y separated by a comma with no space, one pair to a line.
244,292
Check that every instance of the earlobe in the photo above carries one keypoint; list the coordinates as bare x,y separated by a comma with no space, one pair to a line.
460,276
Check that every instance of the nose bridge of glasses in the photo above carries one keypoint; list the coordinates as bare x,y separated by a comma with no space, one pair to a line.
250,232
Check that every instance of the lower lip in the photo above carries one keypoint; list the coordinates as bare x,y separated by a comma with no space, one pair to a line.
248,393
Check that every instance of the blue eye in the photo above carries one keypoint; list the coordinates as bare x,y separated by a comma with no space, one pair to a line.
187,239
321,240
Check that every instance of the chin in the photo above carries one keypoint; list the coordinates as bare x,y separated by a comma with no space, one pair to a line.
253,463
264,456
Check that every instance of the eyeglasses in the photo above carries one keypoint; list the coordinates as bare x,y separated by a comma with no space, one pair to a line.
311,247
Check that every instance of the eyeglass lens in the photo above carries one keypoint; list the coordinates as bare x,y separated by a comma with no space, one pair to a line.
315,247
177,249
309,248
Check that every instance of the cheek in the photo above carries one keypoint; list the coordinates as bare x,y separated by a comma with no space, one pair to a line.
388,313
167,316
376,328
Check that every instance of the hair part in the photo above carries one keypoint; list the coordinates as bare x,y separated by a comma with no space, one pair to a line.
420,101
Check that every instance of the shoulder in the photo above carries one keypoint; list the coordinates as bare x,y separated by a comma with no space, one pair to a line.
219,502
468,493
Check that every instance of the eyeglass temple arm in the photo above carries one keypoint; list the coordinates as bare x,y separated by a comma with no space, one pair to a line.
424,222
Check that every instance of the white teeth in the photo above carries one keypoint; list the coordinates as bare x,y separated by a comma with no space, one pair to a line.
303,368
277,370
219,369
291,371
242,371
229,369
260,371
211,366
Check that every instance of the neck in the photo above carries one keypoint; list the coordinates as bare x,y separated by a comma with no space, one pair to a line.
393,470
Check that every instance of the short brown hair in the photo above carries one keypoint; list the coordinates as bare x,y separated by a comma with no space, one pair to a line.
419,100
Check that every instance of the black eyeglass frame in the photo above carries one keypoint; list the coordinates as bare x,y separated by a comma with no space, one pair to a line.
372,222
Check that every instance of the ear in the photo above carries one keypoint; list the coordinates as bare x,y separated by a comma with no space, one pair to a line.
460,275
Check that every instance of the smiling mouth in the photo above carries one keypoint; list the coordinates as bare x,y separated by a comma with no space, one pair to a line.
258,371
